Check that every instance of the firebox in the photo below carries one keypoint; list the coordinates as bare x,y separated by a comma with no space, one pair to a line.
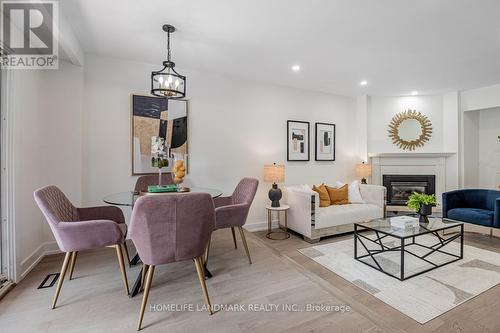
400,187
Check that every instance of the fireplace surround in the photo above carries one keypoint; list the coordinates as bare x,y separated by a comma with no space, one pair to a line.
400,187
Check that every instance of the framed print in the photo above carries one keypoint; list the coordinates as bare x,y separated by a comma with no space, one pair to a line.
155,116
324,142
297,140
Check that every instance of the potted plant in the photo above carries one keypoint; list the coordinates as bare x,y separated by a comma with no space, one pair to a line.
421,204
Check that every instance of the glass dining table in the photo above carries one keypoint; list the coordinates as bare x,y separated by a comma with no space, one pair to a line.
128,198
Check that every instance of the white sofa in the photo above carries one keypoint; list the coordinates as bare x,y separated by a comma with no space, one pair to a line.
313,222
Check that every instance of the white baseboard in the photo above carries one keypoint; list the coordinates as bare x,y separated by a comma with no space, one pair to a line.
259,226
35,257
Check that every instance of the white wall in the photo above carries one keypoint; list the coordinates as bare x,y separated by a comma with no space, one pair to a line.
382,109
489,147
47,150
235,127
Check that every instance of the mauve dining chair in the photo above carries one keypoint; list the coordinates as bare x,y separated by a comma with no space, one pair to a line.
78,229
232,211
167,228
142,183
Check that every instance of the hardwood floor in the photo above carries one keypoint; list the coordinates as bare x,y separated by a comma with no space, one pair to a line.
94,302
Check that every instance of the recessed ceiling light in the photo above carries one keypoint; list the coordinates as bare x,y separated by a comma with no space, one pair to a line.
363,83
414,93
295,68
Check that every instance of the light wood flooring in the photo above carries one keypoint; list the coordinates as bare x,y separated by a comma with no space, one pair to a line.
94,301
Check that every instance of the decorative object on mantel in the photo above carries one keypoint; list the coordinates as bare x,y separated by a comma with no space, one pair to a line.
274,173
167,82
160,155
297,142
324,142
151,116
422,204
410,129
363,171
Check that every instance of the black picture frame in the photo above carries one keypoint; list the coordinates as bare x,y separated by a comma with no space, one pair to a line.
316,147
307,141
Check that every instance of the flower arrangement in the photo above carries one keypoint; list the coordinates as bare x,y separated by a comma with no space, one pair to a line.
159,155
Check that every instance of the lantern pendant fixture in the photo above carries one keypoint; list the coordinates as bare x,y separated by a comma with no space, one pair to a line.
167,82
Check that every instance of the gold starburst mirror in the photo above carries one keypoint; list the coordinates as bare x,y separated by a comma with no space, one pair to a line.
410,129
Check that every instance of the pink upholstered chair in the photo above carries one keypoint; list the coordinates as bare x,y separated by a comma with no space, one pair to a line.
78,229
232,211
169,228
143,182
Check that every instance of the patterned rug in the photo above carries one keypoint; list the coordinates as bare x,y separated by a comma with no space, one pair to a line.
422,297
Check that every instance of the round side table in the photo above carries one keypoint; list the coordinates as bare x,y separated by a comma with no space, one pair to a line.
284,234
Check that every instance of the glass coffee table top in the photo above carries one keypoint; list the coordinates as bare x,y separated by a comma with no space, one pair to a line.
384,226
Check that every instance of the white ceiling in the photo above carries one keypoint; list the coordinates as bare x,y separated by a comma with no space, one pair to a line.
432,46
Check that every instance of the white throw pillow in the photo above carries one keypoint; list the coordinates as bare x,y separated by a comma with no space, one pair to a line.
354,193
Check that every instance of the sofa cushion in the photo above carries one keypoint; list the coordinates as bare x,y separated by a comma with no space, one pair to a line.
338,196
472,215
324,198
344,214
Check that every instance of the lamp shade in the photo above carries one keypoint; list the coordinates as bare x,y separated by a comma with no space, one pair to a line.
363,170
274,173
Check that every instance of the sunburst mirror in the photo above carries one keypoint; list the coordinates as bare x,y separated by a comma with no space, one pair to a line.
410,129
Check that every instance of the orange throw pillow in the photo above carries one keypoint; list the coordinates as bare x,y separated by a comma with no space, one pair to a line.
338,196
324,198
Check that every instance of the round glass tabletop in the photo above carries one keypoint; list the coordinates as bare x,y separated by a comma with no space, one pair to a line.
128,198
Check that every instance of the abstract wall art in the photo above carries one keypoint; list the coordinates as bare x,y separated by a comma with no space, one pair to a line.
297,140
324,142
154,116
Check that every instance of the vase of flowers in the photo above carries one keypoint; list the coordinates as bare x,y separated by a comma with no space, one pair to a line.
159,155
422,205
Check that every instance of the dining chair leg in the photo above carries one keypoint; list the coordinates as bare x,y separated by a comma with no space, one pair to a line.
242,233
119,254
207,250
126,253
143,275
149,279
61,278
234,238
72,264
201,276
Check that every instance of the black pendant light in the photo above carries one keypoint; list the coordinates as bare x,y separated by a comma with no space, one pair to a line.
167,82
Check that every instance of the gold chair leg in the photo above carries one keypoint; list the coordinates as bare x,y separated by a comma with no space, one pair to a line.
207,250
119,254
242,233
201,276
149,279
126,253
234,238
61,278
72,264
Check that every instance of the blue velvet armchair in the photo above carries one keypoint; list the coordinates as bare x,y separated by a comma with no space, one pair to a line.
474,206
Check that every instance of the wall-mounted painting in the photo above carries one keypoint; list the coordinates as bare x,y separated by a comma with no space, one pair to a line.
155,116
297,140
325,142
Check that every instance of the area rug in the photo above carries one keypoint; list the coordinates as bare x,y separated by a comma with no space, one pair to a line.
422,297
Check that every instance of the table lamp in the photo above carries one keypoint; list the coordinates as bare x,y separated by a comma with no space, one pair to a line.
363,171
275,174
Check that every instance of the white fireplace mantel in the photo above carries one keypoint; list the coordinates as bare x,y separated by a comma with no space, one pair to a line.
411,164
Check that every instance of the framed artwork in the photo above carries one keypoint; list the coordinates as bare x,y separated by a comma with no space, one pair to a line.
155,116
297,140
325,142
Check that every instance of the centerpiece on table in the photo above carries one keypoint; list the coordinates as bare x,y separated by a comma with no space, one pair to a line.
179,171
422,205
160,158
